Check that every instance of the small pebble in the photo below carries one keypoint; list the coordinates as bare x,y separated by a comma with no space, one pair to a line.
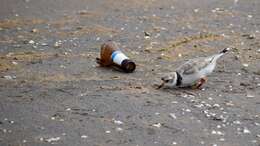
213,132
14,63
118,122
44,44
245,65
119,129
41,139
147,37
62,66
52,139
237,122
34,30
249,16
158,125
8,77
220,133
246,131
196,10
31,42
250,96
199,105
177,101
216,105
157,113
173,115
57,44
188,110
84,136
147,34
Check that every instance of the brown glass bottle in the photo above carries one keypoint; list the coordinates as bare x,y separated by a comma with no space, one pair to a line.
110,55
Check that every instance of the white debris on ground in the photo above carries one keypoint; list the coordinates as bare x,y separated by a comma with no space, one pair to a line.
174,143
158,125
31,42
119,129
172,115
58,44
52,139
118,122
9,77
84,136
246,130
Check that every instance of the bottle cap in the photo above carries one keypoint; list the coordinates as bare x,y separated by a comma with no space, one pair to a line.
128,65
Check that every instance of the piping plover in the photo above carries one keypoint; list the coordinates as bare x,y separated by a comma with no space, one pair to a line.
192,73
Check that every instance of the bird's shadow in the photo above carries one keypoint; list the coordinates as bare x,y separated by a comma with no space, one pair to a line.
178,90
111,69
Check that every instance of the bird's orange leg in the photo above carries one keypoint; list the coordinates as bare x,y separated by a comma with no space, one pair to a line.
199,84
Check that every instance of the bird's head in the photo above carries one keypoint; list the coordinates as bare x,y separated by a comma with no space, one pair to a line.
169,80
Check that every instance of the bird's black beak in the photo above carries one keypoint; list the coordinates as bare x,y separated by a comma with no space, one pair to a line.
160,86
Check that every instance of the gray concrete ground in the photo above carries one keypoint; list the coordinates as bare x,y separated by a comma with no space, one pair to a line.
53,92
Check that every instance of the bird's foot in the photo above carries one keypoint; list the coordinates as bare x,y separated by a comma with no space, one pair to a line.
199,84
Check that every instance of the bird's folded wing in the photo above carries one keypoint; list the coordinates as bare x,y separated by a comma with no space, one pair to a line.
193,66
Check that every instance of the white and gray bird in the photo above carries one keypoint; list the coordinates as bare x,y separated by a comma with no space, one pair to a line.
193,73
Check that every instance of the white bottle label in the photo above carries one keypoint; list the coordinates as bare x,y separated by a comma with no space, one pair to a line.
118,57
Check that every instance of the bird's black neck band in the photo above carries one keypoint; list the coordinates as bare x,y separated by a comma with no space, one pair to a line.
179,79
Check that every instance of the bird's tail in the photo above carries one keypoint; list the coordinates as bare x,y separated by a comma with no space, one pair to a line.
224,50
217,56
